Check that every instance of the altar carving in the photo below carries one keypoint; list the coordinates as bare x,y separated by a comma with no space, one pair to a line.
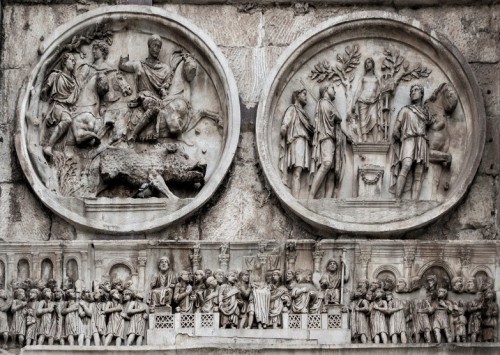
375,133
125,119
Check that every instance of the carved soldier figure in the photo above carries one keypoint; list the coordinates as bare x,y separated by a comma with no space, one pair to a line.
296,133
98,317
332,280
366,102
246,308
397,319
280,300
18,325
183,294
62,90
411,150
73,325
378,309
116,323
421,320
490,316
328,152
220,277
228,301
441,309
57,329
138,315
5,305
210,299
46,312
85,313
474,309
459,322
162,284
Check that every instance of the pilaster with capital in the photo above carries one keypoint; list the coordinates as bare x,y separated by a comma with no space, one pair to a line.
408,261
196,257
291,255
365,254
224,257
317,256
141,263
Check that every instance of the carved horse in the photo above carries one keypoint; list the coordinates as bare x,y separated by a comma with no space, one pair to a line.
175,114
440,106
99,93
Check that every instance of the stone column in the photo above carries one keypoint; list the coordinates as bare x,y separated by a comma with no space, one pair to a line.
11,268
291,255
224,257
36,269
465,254
317,257
141,262
196,257
84,270
58,270
365,254
98,269
409,260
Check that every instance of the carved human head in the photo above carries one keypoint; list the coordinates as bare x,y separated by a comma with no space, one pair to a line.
127,295
470,286
164,264
332,265
369,64
299,97
34,293
269,276
389,296
98,295
369,295
289,275
199,275
378,294
47,293
71,294
417,93
442,293
232,276
431,282
401,285
219,276
308,275
3,294
115,294
244,276
68,62
208,273
363,285
489,295
58,294
184,276
20,294
154,46
117,284
211,282
329,89
375,284
276,275
100,49
457,283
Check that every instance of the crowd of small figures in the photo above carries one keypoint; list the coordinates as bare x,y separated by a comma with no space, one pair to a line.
377,316
42,313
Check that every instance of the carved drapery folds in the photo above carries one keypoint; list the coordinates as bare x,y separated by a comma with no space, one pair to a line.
128,120
366,135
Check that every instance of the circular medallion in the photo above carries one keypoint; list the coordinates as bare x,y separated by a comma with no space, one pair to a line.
129,121
370,124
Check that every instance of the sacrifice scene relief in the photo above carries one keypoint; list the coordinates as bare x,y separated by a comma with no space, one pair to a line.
377,128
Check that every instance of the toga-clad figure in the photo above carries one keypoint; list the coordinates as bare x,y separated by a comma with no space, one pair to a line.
163,284
329,144
296,133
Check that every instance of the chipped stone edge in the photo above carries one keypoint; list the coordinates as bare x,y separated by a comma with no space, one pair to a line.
282,68
221,66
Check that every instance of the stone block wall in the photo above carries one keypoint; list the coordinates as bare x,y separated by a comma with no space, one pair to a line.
252,36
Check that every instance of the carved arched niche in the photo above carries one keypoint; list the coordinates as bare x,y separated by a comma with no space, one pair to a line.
412,156
47,269
129,121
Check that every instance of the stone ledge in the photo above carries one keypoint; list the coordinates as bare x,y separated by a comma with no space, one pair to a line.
213,348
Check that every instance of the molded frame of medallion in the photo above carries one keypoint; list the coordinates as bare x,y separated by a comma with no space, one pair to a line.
230,94
311,43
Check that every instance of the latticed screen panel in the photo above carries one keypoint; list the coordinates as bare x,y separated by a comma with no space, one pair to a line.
187,320
314,321
334,321
164,321
294,321
207,320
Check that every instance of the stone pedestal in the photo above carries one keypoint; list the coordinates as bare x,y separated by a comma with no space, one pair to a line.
370,178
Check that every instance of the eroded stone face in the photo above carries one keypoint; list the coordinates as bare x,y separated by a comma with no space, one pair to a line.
369,124
129,121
